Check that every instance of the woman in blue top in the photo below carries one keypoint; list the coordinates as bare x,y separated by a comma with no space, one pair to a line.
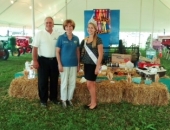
68,55
91,69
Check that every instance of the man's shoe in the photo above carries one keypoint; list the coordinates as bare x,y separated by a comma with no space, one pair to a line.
64,105
70,103
43,104
55,102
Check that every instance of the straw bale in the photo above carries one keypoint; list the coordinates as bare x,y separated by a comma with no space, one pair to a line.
81,93
109,92
24,88
128,92
106,92
154,94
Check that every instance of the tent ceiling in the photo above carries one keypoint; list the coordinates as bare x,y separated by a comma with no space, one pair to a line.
19,14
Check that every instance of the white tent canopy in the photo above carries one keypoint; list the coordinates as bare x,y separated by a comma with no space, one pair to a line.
135,15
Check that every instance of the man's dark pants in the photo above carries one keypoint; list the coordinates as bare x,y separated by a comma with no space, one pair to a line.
47,79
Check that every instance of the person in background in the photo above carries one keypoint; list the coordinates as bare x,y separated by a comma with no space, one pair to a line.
68,55
44,59
91,69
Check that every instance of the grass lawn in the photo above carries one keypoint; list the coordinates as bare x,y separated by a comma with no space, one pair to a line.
23,114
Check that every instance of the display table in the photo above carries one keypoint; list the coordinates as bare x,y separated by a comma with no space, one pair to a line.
155,94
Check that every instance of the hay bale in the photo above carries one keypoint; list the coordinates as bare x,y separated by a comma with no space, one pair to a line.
24,88
81,93
154,94
109,92
106,92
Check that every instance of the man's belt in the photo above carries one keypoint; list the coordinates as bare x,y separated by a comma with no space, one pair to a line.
47,58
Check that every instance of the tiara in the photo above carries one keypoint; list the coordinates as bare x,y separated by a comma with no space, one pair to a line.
92,21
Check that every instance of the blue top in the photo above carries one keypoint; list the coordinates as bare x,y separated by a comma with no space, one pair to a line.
68,50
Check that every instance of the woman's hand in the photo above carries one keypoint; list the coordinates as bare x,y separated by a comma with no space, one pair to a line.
97,70
60,68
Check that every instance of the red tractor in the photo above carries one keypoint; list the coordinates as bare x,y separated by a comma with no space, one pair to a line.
24,42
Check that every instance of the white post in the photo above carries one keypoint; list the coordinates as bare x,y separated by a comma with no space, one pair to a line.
66,7
153,20
86,4
140,21
23,31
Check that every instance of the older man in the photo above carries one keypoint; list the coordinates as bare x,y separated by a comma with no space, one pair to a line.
44,59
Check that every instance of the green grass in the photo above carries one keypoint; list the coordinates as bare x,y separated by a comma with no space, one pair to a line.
23,114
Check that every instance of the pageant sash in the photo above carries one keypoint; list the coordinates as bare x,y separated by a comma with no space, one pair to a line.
91,54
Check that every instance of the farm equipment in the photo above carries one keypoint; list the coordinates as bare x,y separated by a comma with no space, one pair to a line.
4,54
11,45
23,42
17,45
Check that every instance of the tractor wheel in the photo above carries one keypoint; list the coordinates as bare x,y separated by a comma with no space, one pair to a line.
28,49
15,52
6,54
21,50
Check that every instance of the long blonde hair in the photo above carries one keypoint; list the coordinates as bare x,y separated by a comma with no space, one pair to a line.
95,34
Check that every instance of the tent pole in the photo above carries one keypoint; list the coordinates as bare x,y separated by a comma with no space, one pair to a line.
86,4
23,31
66,7
140,21
153,18
33,19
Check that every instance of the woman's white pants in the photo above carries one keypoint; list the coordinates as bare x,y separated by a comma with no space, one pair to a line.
68,82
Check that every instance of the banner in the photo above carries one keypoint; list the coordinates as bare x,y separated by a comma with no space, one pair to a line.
109,33
101,17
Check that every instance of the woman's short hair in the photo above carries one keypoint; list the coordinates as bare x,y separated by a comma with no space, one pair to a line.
67,21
